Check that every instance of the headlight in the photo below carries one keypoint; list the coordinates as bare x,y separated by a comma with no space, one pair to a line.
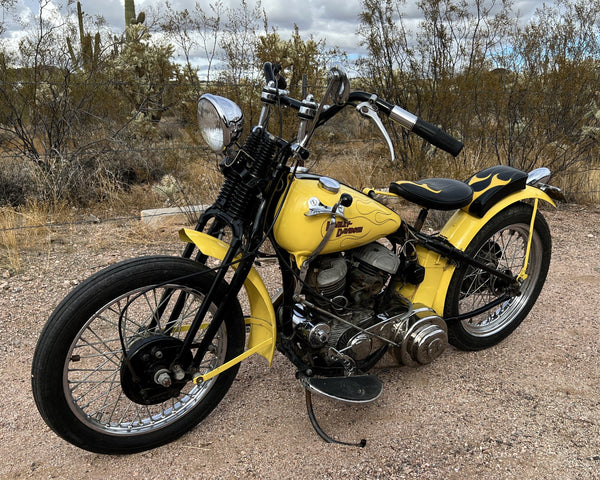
220,120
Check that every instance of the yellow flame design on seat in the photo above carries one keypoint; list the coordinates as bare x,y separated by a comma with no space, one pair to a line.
494,182
421,185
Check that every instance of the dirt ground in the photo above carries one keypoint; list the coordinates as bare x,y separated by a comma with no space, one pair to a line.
528,408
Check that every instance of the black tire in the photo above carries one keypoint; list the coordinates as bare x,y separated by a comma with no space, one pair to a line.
502,242
77,374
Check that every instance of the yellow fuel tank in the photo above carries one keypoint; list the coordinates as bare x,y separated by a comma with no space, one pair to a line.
304,217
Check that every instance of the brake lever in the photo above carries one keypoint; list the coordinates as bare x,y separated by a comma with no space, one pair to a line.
368,109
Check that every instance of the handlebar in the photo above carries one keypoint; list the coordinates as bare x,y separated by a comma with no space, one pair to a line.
431,133
434,135
272,74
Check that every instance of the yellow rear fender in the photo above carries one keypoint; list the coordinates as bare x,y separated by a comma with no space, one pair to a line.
460,229
263,329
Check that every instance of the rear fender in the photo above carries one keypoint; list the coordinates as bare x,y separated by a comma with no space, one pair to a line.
460,229
263,329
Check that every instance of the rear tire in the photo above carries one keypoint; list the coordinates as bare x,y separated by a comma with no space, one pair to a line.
502,243
79,385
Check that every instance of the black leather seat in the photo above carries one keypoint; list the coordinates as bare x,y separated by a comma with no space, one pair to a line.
435,193
492,185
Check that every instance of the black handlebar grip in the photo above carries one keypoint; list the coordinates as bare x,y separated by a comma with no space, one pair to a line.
269,73
281,83
436,136
273,74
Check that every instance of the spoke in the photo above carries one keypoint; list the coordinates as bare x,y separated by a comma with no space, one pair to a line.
92,372
107,381
122,312
152,307
101,394
100,413
93,377
507,240
106,402
513,252
115,403
149,415
108,354
114,353
129,405
506,250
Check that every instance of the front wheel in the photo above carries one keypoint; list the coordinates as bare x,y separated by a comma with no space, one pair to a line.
104,375
502,244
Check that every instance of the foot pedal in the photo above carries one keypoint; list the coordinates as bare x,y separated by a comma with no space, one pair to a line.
354,389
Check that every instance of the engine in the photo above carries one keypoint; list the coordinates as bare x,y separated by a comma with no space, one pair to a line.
354,280
352,316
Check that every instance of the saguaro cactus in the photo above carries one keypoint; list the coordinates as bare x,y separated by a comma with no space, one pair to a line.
89,51
130,17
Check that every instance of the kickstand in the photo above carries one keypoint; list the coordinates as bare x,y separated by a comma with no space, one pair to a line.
319,430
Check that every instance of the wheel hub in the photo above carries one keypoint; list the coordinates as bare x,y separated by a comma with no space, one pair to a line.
148,375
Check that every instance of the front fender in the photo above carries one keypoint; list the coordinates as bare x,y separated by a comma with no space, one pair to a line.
263,329
460,229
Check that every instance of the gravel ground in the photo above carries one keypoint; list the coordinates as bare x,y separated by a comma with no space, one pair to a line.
527,408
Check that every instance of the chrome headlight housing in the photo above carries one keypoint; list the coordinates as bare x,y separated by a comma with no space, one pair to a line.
220,121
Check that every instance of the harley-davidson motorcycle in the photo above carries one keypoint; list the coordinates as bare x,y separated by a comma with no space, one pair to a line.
144,350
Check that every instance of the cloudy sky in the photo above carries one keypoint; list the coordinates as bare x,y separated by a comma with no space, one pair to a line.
335,21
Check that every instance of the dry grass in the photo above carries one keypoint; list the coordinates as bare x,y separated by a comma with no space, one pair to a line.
9,253
360,165
26,227
581,187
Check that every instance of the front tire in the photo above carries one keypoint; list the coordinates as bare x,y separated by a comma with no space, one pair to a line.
80,386
502,243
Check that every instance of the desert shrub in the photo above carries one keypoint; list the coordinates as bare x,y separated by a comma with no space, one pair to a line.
16,182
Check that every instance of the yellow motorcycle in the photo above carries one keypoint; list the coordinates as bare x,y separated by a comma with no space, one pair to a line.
144,350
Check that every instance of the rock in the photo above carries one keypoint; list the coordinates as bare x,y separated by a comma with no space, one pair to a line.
173,215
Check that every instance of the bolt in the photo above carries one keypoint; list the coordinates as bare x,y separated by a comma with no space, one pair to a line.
163,378
178,372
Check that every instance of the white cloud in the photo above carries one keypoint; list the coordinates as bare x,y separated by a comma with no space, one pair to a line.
335,21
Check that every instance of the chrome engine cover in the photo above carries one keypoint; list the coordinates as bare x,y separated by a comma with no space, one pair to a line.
422,336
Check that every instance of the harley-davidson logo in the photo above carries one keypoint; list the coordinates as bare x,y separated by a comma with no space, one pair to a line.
344,228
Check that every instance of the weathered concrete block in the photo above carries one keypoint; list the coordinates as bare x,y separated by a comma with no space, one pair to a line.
172,215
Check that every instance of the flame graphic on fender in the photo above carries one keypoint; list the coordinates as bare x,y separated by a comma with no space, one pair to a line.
482,185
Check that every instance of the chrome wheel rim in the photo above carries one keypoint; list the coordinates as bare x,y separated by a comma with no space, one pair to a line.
506,251
91,375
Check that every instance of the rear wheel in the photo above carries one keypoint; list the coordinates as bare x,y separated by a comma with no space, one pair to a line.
502,244
96,397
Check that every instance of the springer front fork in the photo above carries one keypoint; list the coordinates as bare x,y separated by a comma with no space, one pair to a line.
231,258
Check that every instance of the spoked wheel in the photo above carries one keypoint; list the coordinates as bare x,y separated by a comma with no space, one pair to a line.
109,374
502,244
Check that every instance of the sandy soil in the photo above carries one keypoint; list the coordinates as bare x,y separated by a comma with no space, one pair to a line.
527,408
